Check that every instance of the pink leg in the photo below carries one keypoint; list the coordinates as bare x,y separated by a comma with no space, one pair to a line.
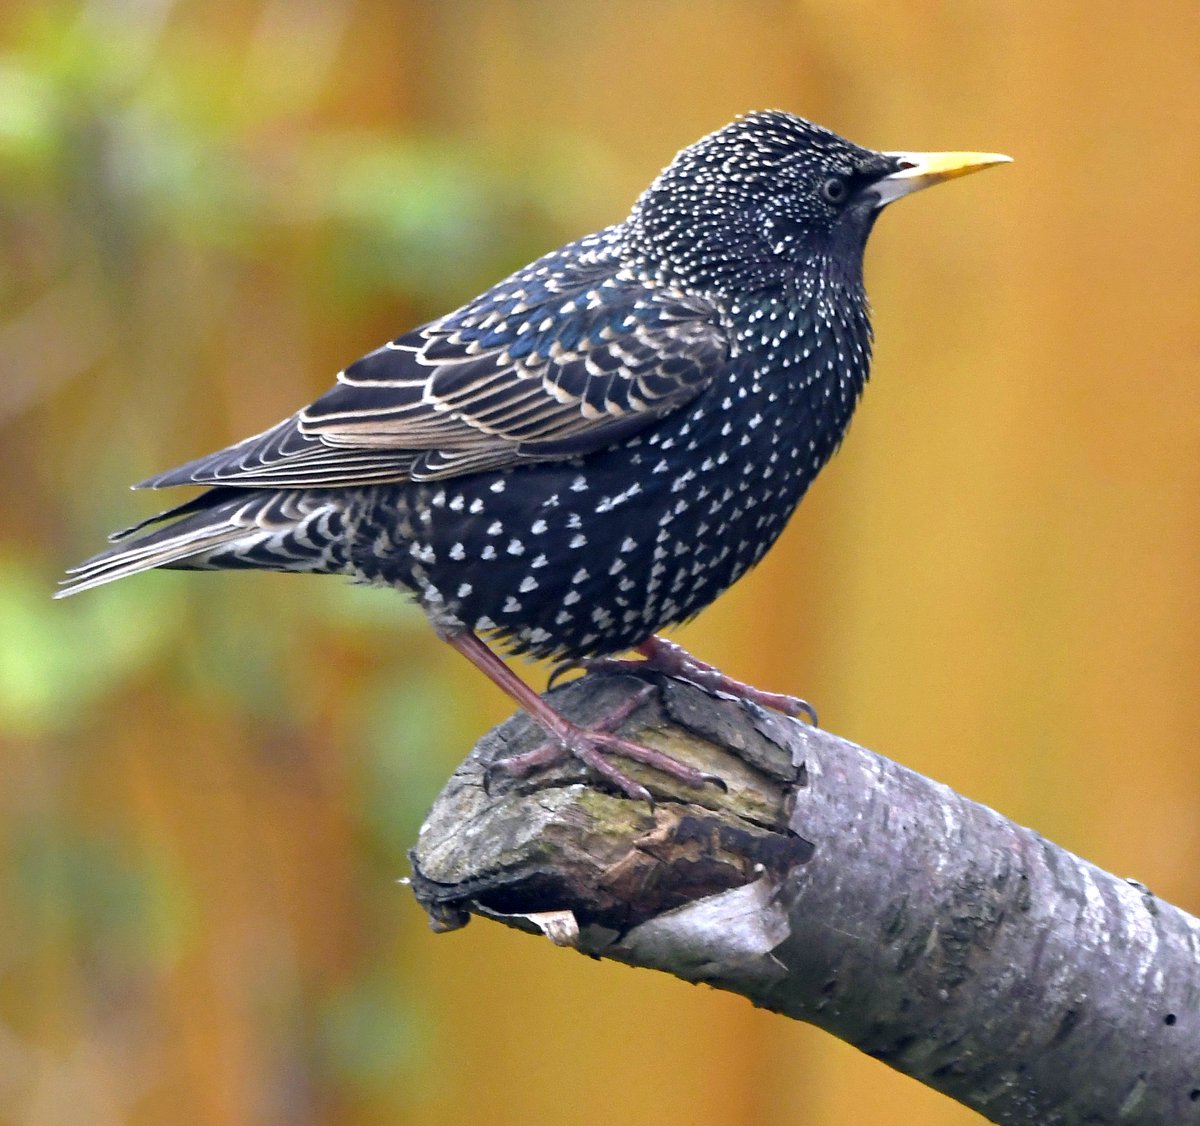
660,655
589,745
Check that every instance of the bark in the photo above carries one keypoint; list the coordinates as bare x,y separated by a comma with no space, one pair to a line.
834,886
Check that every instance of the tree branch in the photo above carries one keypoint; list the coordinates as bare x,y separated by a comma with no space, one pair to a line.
836,887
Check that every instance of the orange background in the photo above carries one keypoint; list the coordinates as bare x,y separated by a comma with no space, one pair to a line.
208,783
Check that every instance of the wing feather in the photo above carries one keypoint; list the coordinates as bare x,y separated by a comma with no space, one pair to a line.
558,361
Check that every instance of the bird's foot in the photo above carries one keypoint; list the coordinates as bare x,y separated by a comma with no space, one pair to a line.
591,745
594,745
660,655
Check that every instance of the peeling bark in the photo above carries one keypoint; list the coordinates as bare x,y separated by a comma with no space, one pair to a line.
836,887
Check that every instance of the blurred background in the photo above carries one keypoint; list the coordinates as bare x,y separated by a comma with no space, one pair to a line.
208,782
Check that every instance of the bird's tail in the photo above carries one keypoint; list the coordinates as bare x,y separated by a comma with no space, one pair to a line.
225,528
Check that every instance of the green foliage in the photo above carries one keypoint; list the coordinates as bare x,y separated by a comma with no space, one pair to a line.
127,910
58,660
406,722
199,226
173,143
370,1042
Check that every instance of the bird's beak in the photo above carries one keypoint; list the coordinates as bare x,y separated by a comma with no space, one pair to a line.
922,169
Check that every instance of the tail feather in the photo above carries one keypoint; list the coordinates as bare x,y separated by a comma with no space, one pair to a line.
284,531
202,503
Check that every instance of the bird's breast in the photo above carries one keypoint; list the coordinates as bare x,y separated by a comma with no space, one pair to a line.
571,558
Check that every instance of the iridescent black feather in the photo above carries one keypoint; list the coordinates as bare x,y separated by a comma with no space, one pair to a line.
596,447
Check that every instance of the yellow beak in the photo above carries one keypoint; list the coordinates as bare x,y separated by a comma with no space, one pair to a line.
922,169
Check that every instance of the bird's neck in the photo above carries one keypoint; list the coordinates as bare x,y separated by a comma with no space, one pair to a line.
816,329
807,352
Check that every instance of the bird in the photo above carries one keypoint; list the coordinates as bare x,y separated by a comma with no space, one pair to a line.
595,448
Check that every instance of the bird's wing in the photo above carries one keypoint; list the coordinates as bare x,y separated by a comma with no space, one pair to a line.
548,365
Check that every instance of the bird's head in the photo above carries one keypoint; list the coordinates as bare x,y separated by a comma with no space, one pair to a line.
772,200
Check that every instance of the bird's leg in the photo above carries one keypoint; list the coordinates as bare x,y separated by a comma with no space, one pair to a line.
661,655
591,745
674,660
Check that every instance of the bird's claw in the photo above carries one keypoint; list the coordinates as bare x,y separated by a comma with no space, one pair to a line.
662,656
594,745
666,657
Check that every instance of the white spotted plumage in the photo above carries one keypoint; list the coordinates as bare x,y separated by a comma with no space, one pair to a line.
600,444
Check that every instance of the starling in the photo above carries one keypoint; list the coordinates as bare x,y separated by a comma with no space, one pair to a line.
596,447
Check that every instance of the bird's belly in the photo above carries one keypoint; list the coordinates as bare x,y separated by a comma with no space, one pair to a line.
574,559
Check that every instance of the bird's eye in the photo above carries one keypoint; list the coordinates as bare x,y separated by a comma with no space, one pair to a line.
835,189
